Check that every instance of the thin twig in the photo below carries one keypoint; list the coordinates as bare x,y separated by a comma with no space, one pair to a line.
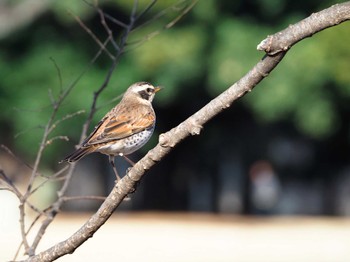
27,130
71,198
17,251
109,31
10,185
165,11
66,117
167,141
51,140
115,21
135,44
54,178
94,37
52,99
56,205
40,109
109,102
58,70
54,208
34,208
41,149
134,10
31,250
22,226
146,10
58,173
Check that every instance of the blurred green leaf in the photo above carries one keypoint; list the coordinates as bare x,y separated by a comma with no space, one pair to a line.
317,117
233,52
209,50
172,59
304,74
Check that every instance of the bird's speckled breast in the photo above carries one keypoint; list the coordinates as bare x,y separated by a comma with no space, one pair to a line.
134,142
128,145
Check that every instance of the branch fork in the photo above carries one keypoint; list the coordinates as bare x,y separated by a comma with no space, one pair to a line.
275,47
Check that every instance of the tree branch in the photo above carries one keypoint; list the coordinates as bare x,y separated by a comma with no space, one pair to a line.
276,47
167,141
285,39
54,208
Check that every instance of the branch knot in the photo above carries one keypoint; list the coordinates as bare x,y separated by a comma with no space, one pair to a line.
195,128
166,141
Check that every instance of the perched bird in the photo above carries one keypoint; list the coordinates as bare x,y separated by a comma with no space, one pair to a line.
124,129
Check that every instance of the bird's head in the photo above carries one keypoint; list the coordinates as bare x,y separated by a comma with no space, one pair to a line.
143,92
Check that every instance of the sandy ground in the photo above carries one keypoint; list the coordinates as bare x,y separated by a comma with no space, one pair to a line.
196,237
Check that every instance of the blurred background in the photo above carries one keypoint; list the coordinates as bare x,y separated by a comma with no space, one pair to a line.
282,149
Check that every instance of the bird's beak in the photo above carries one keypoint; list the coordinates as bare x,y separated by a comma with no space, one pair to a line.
157,88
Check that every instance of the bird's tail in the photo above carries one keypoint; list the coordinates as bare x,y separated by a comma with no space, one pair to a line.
78,154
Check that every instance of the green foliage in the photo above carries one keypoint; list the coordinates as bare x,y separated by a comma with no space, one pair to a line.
233,53
63,7
172,60
211,48
300,87
27,82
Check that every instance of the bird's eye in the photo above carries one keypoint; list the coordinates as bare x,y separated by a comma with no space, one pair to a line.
149,90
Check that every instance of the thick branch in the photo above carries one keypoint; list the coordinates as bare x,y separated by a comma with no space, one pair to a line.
285,39
167,141
119,49
191,126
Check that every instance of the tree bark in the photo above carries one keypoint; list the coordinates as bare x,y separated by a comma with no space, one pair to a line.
275,47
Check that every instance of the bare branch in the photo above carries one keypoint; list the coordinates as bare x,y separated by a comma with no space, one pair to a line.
34,208
51,97
27,130
58,174
50,141
135,44
175,7
58,73
185,11
109,31
167,141
9,186
7,150
115,21
134,10
94,37
74,198
54,178
54,208
54,125
285,39
22,215
52,211
112,101
17,251
146,10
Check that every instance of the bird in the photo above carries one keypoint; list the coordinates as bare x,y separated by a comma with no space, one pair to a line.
124,129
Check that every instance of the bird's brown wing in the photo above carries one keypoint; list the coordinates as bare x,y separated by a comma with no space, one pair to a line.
115,127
